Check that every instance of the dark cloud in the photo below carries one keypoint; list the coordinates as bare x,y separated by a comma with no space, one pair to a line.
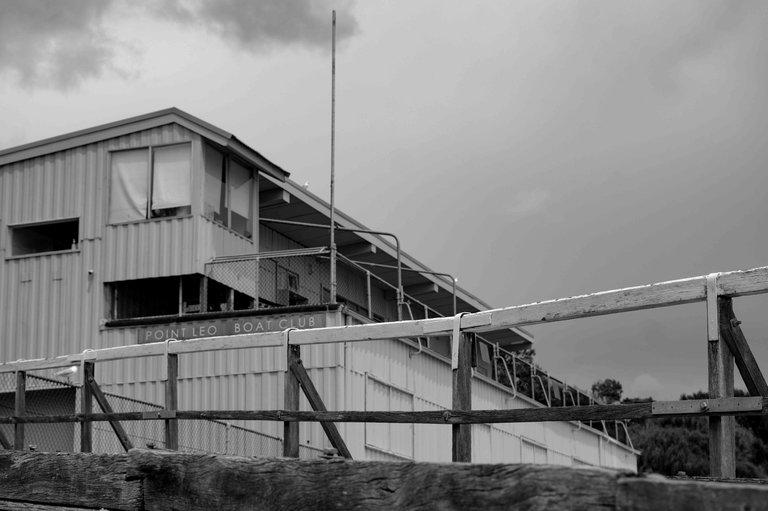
57,44
54,44
259,26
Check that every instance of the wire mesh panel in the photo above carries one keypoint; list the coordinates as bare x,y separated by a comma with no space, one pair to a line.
300,277
221,437
7,399
146,433
246,442
46,396
266,282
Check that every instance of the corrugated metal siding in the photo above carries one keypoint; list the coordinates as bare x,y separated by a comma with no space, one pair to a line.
271,240
50,304
429,378
215,240
154,248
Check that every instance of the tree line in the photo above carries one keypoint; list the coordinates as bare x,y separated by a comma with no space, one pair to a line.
673,445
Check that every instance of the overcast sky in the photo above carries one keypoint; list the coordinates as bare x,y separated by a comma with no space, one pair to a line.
535,149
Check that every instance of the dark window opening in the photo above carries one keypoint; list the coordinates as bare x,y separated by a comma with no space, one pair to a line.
145,297
218,297
56,236
190,293
325,295
243,302
173,296
288,287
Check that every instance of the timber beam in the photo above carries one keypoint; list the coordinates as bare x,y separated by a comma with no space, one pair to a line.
164,480
716,408
233,483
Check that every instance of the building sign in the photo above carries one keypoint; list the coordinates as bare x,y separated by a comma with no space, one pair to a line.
230,326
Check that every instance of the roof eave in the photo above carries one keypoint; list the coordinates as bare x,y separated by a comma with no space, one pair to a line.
140,123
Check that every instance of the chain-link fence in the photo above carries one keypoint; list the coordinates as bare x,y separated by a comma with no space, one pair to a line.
296,277
45,396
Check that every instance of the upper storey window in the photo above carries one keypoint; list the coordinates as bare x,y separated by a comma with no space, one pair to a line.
229,190
45,237
150,182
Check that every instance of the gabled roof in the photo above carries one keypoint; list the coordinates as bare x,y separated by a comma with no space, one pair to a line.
139,123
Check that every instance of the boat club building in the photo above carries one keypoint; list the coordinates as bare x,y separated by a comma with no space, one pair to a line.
164,227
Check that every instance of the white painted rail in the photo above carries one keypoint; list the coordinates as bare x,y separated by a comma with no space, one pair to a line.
663,294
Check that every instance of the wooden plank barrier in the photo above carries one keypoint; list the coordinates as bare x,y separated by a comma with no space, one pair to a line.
42,481
726,345
168,480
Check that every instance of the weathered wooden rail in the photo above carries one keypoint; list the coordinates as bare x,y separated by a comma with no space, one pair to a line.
166,480
714,408
726,344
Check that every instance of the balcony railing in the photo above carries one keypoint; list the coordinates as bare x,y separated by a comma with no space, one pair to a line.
302,277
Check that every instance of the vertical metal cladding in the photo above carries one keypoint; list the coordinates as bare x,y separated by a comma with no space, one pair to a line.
53,304
152,248
428,379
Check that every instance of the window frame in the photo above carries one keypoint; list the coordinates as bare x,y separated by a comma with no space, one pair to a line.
228,160
149,183
25,225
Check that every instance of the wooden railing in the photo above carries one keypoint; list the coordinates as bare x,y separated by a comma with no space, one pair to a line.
726,344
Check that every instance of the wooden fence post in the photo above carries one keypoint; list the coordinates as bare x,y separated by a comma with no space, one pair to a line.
86,408
722,430
20,409
462,399
291,403
172,402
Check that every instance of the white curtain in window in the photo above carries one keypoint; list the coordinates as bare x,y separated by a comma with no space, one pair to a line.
171,177
128,189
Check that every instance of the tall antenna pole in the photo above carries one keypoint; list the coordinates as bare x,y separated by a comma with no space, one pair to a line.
333,157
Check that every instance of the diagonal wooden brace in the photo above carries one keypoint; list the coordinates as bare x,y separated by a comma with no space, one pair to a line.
731,333
107,408
4,442
298,370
